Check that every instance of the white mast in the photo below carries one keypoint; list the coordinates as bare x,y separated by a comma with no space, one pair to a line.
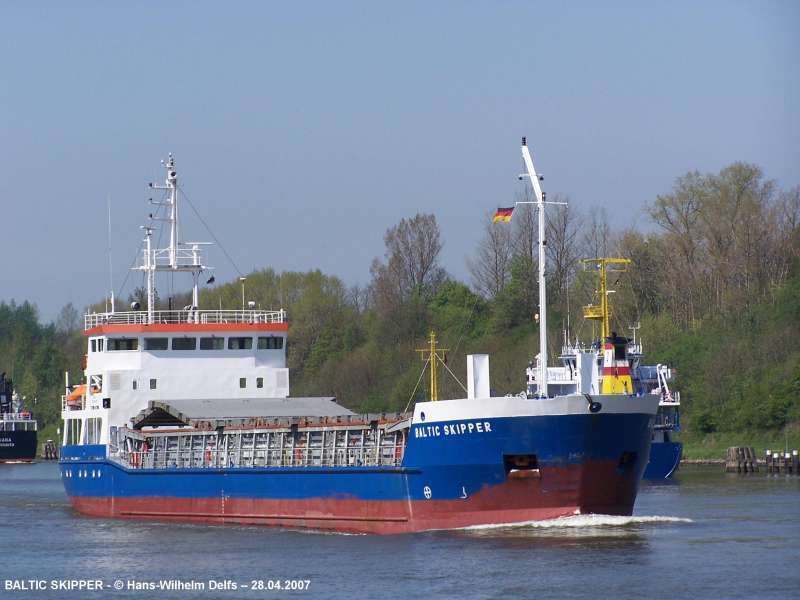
526,157
171,184
150,268
179,257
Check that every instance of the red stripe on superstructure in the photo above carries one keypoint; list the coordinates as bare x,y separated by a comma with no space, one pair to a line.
618,371
194,327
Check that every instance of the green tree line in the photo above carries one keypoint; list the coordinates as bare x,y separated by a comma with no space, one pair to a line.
714,289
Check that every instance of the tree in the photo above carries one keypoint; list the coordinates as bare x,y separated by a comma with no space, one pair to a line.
411,271
68,320
642,293
597,233
412,250
491,267
678,215
526,229
727,240
563,226
516,303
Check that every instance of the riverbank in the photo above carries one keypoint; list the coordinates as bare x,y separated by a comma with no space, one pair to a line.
710,448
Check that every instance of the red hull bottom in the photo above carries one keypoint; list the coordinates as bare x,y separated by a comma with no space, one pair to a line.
561,492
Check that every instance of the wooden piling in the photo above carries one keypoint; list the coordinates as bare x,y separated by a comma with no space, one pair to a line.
783,462
741,459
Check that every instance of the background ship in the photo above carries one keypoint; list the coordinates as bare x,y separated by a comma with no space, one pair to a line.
18,428
665,452
634,377
186,415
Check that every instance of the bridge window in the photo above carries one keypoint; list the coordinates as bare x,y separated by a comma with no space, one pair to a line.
133,383
240,343
93,344
93,430
273,342
95,384
184,343
243,382
153,383
73,431
212,343
259,382
115,344
155,343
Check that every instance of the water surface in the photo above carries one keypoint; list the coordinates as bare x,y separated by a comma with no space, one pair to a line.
704,535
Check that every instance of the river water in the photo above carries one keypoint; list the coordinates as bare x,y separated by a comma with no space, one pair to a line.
704,535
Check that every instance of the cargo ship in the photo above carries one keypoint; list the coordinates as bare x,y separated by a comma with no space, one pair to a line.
186,415
18,428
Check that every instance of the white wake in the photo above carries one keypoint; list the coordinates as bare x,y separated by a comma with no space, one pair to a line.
584,521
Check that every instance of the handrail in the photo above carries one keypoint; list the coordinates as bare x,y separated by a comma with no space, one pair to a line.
189,316
240,448
375,456
184,257
78,404
16,417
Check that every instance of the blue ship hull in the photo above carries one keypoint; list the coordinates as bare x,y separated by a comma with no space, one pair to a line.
453,474
664,460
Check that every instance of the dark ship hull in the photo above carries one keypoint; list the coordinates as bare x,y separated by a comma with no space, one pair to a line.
17,446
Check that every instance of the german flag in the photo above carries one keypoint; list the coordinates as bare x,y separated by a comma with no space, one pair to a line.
503,215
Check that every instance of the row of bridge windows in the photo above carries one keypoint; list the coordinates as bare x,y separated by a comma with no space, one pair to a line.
271,342
242,383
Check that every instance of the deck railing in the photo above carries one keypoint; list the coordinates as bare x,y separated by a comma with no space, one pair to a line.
242,449
76,404
23,416
299,457
189,316
17,423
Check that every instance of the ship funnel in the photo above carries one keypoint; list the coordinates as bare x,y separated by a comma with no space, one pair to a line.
478,376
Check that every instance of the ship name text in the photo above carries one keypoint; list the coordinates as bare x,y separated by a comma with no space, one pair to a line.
471,427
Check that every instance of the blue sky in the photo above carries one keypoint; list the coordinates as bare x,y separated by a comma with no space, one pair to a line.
302,131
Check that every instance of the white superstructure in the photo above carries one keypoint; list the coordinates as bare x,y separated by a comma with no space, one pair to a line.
146,354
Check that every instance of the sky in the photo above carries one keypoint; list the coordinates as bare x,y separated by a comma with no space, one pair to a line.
303,130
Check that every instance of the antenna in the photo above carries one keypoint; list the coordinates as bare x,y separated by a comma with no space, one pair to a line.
110,262
568,309
178,256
